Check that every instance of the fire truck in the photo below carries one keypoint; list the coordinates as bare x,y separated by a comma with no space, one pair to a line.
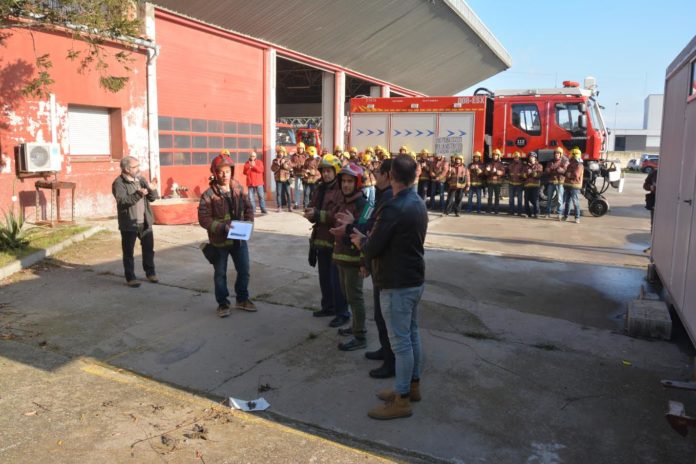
524,120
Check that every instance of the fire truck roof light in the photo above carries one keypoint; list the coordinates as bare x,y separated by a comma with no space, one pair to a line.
570,84
414,106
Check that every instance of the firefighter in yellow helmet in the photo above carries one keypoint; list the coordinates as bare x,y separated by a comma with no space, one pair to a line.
457,183
439,168
325,200
403,150
310,175
573,184
476,179
282,171
337,150
368,181
298,160
423,173
532,184
495,172
554,171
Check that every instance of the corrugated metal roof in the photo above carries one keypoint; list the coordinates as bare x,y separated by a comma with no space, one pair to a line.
435,47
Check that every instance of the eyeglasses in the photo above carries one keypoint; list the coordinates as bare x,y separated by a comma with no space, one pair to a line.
134,166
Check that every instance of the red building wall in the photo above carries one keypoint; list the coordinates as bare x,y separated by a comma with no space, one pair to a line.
28,119
210,97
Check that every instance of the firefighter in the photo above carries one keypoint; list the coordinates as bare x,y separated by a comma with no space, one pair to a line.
310,174
515,171
297,161
403,150
476,176
495,170
555,173
572,184
326,197
424,176
439,169
368,180
351,268
282,170
353,152
458,182
345,159
532,184
337,151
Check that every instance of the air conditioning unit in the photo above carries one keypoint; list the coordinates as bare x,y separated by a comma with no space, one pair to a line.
40,157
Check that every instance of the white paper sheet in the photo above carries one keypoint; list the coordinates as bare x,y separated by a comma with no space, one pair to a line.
259,404
240,230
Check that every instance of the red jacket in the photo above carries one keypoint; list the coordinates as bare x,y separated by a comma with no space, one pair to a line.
573,174
515,171
254,173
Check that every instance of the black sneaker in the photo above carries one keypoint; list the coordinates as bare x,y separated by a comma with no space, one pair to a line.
345,331
375,355
338,321
323,313
385,371
353,344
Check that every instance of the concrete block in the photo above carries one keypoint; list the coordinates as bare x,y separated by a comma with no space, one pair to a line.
649,318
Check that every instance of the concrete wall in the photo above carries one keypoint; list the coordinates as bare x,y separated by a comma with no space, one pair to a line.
29,119
652,112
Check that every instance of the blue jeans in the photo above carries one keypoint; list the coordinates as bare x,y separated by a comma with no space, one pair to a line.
240,258
474,190
437,188
253,192
332,298
283,194
308,191
400,310
516,193
370,194
554,205
297,183
571,195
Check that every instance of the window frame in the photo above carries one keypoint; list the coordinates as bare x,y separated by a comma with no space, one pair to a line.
526,107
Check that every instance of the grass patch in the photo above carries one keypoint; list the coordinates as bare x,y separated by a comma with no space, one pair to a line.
482,336
546,346
40,238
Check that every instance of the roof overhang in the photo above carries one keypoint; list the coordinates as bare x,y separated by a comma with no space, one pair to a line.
434,47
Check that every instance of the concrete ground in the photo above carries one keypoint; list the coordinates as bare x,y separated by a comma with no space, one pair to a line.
525,356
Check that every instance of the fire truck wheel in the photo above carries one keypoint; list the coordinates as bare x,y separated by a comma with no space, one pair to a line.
599,207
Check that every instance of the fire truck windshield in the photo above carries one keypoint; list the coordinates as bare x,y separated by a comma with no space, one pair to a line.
285,136
568,116
309,139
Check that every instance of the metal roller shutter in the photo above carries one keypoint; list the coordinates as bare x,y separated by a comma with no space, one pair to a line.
90,131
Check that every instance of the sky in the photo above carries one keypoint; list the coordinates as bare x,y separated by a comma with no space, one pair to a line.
625,45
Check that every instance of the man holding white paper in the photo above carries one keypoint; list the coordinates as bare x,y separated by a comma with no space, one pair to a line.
226,213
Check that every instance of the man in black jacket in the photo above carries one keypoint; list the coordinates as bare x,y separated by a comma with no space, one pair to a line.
133,196
395,251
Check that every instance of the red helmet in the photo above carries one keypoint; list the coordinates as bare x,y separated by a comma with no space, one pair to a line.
223,159
352,169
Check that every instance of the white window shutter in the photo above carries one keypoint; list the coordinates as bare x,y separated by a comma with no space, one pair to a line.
90,131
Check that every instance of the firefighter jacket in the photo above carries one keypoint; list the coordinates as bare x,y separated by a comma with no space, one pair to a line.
458,177
344,252
532,175
573,175
324,200
297,162
515,172
216,209
368,175
476,174
439,169
424,165
311,174
555,171
281,168
495,170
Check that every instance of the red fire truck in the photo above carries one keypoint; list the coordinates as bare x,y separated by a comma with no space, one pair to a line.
529,120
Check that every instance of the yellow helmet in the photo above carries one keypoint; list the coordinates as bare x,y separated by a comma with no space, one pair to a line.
338,148
559,150
477,154
330,161
366,158
225,152
458,157
412,154
576,152
387,154
346,154
280,148
403,148
369,150
353,150
312,150
424,152
497,152
301,145
517,154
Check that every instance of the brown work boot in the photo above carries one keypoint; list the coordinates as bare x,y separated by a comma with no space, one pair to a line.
223,310
247,305
394,409
389,394
133,283
153,278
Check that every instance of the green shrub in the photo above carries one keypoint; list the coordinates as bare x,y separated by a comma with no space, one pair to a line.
11,235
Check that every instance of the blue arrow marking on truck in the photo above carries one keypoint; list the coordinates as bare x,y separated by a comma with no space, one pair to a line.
360,132
462,133
397,132
370,132
408,132
450,133
431,132
419,132
380,132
